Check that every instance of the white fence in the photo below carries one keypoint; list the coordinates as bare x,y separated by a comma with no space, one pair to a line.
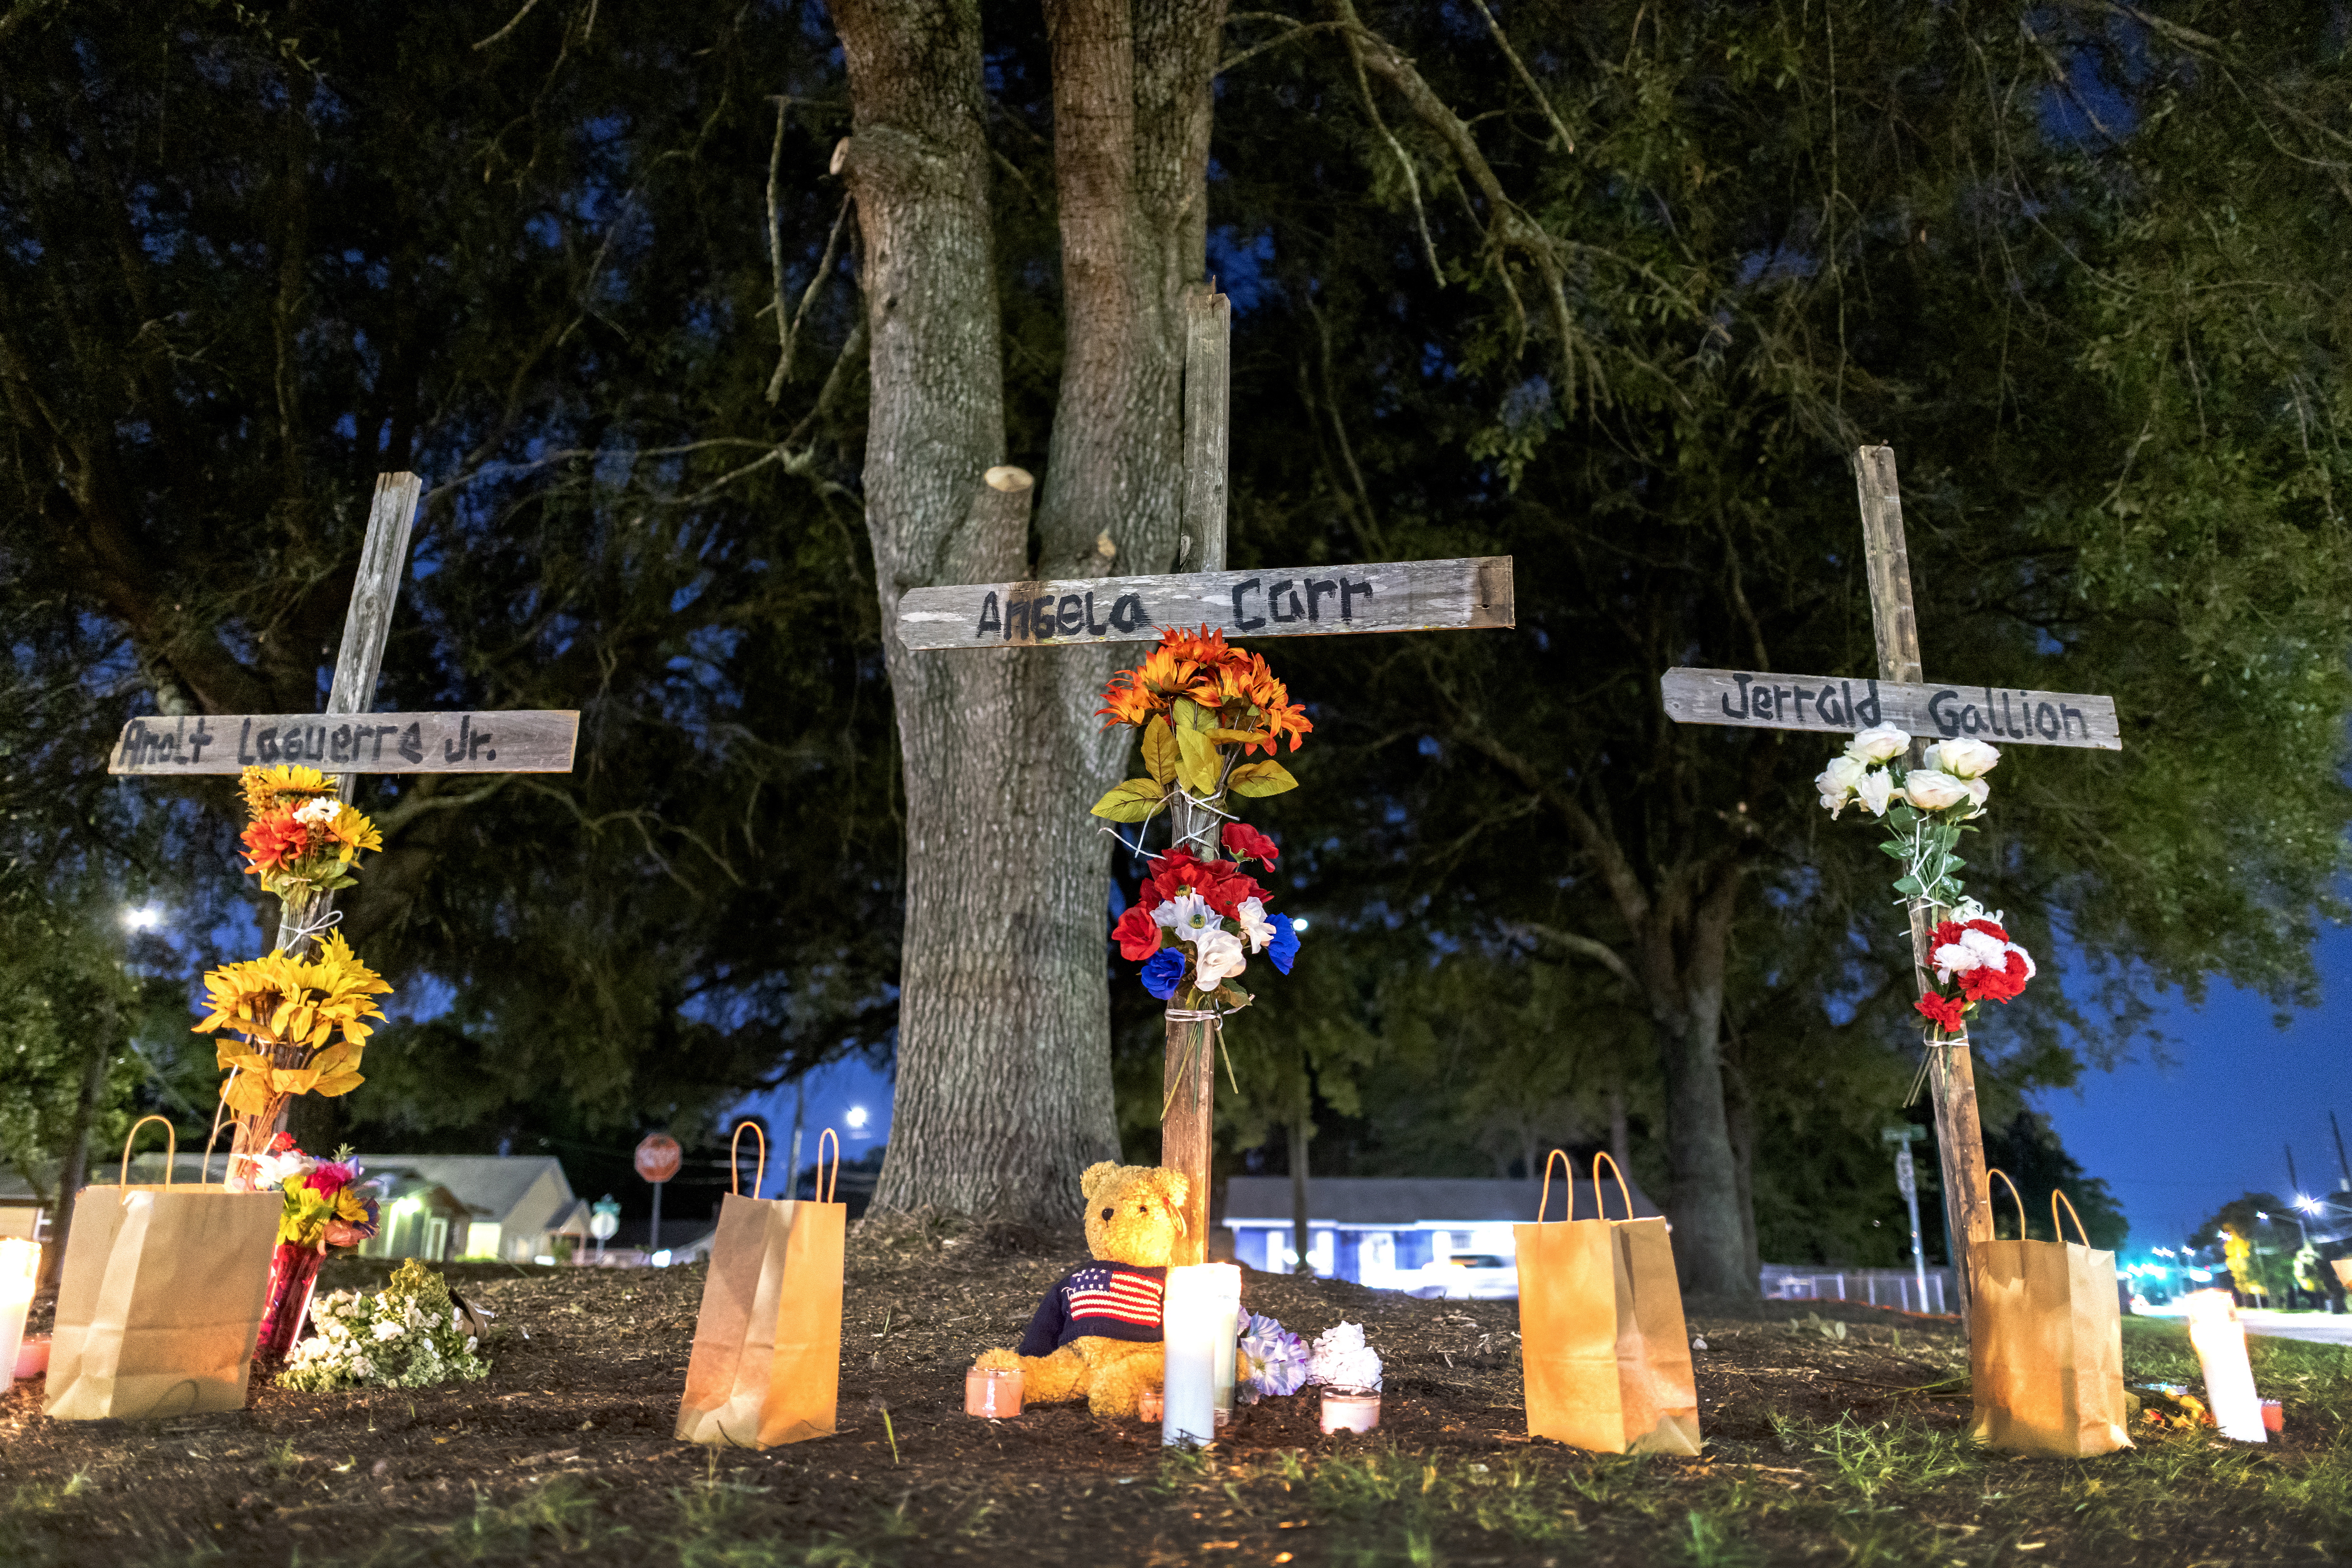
1896,1288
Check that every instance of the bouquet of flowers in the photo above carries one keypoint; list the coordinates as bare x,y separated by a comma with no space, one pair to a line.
1343,1360
1928,808
406,1335
324,1207
1203,708
301,1015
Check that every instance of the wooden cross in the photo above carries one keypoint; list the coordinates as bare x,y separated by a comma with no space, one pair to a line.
346,739
2006,715
1321,600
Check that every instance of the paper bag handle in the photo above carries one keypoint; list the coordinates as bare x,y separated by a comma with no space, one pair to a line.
820,1189
205,1174
170,1160
2057,1197
1622,1191
1543,1200
1992,1171
734,1173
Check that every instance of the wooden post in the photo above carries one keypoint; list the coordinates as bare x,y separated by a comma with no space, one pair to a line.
1959,1141
1189,1073
383,562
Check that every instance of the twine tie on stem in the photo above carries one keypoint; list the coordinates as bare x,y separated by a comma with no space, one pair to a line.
1215,1019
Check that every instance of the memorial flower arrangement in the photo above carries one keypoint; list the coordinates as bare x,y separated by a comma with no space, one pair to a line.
1272,1361
1203,708
299,839
1926,808
324,1206
409,1334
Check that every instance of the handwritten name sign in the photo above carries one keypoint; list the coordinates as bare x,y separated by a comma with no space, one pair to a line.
1266,602
501,742
2004,714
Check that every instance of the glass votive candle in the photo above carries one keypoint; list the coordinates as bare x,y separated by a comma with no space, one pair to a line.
1147,1405
1351,1409
993,1391
33,1356
2273,1416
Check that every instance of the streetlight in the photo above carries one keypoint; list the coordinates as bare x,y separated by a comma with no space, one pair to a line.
146,917
856,1119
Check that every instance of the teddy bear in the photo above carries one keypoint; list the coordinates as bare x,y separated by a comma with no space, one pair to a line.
1096,1333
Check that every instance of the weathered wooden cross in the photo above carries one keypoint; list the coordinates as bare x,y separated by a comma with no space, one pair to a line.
2006,715
346,739
1387,596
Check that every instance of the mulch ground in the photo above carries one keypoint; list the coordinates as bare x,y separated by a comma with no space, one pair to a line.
589,1364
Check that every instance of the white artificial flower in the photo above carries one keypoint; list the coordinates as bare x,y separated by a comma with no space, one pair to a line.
276,1170
1221,957
1932,791
1256,928
1969,909
1975,949
1879,743
1978,792
319,808
388,1330
1877,790
1963,758
1837,783
1340,1359
1189,916
470,1344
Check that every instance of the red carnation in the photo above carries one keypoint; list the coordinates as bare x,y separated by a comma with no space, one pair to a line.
329,1177
1137,933
1946,1011
1986,984
1248,843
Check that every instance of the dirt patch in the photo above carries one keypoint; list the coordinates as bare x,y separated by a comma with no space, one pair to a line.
566,1447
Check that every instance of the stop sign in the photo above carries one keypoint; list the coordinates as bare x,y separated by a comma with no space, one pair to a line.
658,1157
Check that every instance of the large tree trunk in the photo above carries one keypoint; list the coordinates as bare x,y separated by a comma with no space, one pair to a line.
1004,1086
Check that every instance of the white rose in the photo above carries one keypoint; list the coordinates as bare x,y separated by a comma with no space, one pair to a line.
1189,916
320,808
1978,791
1877,790
1836,784
1256,930
1221,957
1963,759
1932,791
1879,743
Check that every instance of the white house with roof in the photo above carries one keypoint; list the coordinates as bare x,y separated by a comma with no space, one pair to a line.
520,1208
1384,1232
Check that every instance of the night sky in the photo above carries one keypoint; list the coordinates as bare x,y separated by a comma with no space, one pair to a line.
2176,1142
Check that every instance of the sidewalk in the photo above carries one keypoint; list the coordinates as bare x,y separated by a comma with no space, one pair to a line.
2320,1328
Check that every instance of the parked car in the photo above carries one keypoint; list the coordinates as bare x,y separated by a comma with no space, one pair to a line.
1469,1277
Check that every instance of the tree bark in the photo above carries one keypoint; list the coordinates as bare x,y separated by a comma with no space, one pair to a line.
1302,1213
1003,1090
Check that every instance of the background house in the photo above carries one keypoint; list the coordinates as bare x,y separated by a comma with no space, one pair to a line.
1385,1232
517,1208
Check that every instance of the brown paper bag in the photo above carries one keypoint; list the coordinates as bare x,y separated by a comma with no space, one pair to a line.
160,1298
2045,1343
767,1346
1606,1357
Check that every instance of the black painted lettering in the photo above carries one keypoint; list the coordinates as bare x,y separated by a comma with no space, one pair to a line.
2068,717
1016,619
1939,709
2007,716
315,739
456,750
1347,592
244,755
1867,709
1274,597
1971,722
474,744
198,742
990,621
264,745
381,731
1316,590
1803,697
1129,615
1741,682
1243,620
1781,702
1094,628
1826,705
1041,616
411,743
2045,719
339,744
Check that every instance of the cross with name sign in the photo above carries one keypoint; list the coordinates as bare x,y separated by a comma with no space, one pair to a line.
2000,714
1319,601
347,740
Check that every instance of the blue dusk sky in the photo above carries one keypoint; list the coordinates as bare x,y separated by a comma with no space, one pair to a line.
2177,1142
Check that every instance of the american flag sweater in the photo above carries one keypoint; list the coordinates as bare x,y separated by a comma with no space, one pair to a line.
1107,1300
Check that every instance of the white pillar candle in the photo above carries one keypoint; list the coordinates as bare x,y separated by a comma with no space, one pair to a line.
2220,1341
1196,1315
20,1266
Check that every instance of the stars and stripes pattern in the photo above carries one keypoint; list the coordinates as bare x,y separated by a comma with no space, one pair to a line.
1116,1293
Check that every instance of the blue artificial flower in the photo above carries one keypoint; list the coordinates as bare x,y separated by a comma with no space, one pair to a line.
1283,946
1277,1360
1163,972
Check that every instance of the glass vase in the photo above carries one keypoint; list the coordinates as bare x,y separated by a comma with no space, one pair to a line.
293,1275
